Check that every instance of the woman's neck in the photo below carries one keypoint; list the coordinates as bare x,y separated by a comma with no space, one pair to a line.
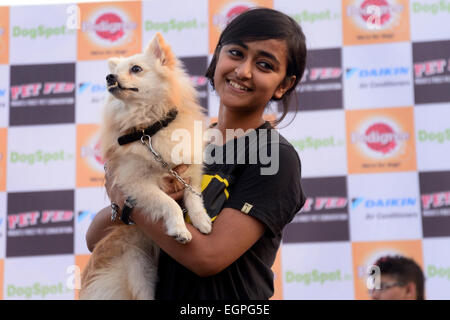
229,119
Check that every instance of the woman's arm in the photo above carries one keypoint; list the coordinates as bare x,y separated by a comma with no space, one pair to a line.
99,227
232,234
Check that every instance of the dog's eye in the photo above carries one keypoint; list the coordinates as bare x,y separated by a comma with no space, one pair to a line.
136,69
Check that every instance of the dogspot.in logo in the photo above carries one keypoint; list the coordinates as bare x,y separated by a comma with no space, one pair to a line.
316,143
438,272
315,277
109,27
375,14
40,31
307,16
173,25
430,136
39,156
36,290
434,8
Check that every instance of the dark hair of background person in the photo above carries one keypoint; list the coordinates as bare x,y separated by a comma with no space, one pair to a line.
404,270
264,24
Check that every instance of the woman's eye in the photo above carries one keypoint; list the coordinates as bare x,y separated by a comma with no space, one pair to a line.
265,65
136,69
235,53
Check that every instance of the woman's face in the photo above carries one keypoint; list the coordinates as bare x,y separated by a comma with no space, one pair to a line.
249,74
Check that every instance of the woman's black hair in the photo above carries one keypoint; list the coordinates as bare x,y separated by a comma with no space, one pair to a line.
263,24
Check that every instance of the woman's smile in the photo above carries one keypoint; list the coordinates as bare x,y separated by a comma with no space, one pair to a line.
236,86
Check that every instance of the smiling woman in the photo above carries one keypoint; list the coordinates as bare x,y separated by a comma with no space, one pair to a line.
260,58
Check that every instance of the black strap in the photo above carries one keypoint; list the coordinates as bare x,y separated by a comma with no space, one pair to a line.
126,211
150,131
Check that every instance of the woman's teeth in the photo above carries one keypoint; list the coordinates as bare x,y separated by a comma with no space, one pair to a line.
237,86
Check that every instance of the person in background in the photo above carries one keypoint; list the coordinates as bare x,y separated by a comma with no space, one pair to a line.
401,279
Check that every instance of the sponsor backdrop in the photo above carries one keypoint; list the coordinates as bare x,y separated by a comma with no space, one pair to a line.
372,132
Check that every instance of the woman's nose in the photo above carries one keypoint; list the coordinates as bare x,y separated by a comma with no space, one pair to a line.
244,70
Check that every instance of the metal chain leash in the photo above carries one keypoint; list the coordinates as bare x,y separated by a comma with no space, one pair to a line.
147,141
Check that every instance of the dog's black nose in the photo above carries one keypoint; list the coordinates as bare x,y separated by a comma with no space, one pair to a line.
111,78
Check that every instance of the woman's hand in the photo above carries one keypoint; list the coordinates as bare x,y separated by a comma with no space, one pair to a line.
170,185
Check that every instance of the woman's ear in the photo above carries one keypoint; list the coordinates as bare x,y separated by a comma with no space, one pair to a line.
285,85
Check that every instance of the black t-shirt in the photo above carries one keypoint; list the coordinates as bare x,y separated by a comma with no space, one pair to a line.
267,189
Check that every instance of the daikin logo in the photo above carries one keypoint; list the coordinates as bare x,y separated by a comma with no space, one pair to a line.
376,72
2,92
86,215
368,203
90,87
40,31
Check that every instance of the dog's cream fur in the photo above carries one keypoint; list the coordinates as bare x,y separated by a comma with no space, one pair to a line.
123,265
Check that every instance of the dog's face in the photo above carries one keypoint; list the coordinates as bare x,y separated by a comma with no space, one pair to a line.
142,76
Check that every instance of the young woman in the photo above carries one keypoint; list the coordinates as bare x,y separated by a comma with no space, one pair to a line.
260,57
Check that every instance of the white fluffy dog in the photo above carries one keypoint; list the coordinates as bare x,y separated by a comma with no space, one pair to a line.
145,88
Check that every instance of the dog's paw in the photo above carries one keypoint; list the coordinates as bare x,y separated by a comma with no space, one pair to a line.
182,236
202,223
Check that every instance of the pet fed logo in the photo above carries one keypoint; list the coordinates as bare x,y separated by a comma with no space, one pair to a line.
321,85
42,94
324,216
40,223
431,71
435,199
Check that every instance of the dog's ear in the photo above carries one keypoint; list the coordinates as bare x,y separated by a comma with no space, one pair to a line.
159,49
112,64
